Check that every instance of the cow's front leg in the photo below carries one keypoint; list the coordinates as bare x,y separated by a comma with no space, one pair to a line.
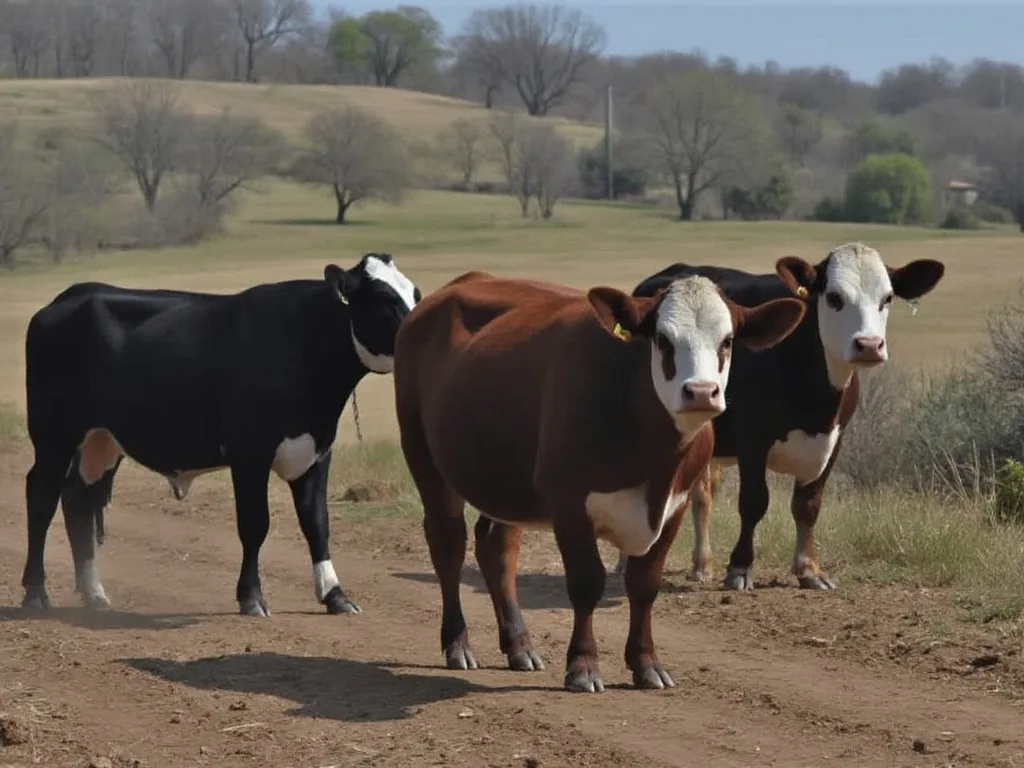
702,494
497,554
309,492
643,580
584,577
252,515
753,504
805,506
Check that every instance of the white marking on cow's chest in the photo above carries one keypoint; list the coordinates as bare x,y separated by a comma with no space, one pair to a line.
294,456
803,456
621,519
376,363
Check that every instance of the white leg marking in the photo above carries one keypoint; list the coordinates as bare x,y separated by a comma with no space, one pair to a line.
294,456
98,452
324,579
621,518
803,456
89,583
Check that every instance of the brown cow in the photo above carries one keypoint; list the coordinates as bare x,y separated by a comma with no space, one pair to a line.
532,402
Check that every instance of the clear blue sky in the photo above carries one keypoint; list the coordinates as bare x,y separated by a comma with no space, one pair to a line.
862,38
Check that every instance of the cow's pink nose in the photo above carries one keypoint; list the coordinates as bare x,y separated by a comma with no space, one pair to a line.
702,397
868,349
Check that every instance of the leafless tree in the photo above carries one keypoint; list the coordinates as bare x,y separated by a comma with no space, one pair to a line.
800,131
143,126
29,33
121,21
700,125
459,144
262,23
1003,153
356,154
538,49
225,152
507,127
76,183
184,31
546,167
23,197
81,22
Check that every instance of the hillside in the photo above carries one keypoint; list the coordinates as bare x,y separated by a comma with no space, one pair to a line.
40,104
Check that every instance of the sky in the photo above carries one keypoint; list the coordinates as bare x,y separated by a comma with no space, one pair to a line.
862,38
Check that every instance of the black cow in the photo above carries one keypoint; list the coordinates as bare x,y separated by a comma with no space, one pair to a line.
189,383
788,405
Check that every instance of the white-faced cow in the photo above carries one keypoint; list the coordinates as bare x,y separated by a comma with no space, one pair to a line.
189,383
545,406
789,405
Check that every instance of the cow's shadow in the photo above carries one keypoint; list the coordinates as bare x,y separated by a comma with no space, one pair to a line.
545,591
331,688
77,616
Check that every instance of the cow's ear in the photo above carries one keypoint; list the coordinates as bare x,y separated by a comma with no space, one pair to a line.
622,315
342,282
799,276
913,280
767,324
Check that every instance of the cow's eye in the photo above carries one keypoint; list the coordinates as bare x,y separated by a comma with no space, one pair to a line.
726,344
886,302
834,300
662,342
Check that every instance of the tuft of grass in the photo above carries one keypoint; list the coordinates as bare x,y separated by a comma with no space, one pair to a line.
371,477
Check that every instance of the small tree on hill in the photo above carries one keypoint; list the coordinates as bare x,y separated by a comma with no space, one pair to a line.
889,189
460,146
357,155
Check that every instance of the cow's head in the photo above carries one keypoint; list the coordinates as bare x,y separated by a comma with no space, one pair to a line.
378,298
691,327
854,290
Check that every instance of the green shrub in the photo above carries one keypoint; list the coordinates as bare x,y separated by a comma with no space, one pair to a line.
960,218
992,213
1009,503
629,176
829,209
888,189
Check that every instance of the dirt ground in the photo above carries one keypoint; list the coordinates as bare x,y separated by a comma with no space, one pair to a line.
173,677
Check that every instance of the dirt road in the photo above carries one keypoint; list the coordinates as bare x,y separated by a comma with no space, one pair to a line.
172,677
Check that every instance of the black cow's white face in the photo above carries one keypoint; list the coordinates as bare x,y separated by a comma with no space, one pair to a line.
379,297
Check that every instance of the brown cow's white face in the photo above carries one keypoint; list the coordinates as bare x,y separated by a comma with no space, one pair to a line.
691,352
854,292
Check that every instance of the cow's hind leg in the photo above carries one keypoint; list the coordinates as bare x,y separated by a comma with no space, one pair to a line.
585,579
309,492
252,515
702,496
753,504
643,581
42,493
497,554
444,525
83,504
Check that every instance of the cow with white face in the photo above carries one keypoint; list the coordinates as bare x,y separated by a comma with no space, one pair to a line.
789,405
189,383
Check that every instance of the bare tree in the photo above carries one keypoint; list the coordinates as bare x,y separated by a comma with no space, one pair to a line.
701,125
507,127
459,144
262,23
800,130
121,21
143,126
23,197
1003,152
184,31
547,164
538,49
224,153
76,183
356,154
29,32
81,24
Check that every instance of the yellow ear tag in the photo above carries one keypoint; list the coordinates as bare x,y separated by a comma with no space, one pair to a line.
801,292
622,333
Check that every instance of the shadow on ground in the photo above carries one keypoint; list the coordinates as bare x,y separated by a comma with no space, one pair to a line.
92,619
315,223
332,688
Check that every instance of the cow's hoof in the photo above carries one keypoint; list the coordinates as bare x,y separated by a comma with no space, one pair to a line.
36,599
653,677
338,602
525,660
583,679
97,602
460,657
739,580
820,581
702,577
254,606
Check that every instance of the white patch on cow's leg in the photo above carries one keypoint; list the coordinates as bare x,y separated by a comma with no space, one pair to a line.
324,579
97,453
294,456
621,518
802,456
90,586
376,363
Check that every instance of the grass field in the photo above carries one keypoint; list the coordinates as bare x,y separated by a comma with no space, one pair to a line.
911,567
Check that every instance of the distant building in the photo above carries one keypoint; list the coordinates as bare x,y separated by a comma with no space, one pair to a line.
961,193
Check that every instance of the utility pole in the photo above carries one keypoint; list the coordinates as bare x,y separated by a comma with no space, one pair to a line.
608,140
